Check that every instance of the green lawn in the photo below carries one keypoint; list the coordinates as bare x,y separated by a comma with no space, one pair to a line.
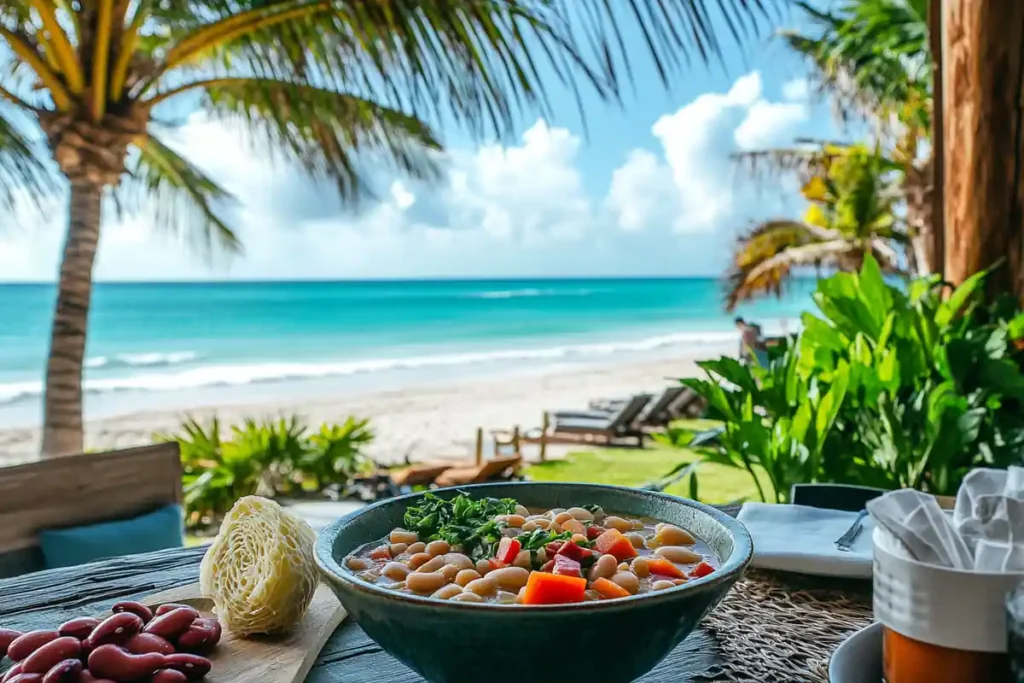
633,467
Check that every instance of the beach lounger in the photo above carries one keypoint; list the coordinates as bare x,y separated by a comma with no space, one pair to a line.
613,408
661,411
421,474
502,467
606,430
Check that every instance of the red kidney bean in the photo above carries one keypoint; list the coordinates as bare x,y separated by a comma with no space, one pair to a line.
7,636
201,637
136,608
144,643
193,666
115,630
26,678
110,661
87,677
11,673
67,671
51,654
78,628
168,676
28,643
164,609
170,625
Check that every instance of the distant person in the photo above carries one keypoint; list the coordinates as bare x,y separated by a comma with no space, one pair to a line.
750,339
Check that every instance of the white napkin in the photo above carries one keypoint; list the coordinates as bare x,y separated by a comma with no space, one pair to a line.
797,538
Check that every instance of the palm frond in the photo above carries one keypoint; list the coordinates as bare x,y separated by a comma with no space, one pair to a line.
25,172
179,198
477,62
333,136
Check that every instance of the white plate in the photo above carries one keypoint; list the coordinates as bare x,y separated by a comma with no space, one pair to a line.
859,658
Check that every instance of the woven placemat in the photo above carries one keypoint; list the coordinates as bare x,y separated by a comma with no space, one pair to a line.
782,628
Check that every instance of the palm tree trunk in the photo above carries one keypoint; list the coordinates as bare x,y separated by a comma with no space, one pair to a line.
62,421
984,129
936,242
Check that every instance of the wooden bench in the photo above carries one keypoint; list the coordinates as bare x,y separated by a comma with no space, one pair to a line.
80,489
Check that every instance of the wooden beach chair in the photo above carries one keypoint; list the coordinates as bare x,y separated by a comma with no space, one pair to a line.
420,474
500,467
77,490
606,431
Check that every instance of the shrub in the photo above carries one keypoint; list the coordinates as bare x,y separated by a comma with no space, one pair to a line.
269,458
886,387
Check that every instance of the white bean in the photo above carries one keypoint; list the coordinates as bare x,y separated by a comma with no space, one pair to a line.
396,571
542,556
358,564
510,578
425,582
573,526
541,522
450,571
398,548
431,565
447,592
483,567
417,547
662,585
581,514
403,536
628,581
484,586
674,553
523,560
435,548
590,595
604,568
459,560
636,539
618,523
368,576
515,521
467,597
637,525
530,526
465,576
505,598
578,538
670,534
418,560
562,517
623,566
522,511
640,567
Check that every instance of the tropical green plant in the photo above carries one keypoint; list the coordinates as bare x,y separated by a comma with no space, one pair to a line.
271,458
333,86
886,386
336,452
852,197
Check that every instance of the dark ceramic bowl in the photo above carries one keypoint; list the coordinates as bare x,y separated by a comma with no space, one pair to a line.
599,642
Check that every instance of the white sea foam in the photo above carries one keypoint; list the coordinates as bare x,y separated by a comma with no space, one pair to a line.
142,360
239,375
530,292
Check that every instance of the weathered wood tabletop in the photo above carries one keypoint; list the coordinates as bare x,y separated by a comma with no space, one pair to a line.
45,599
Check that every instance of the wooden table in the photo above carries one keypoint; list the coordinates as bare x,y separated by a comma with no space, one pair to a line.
45,599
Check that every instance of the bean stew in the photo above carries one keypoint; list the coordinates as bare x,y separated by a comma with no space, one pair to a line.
497,551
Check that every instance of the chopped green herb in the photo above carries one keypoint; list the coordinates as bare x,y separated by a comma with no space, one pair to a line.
461,521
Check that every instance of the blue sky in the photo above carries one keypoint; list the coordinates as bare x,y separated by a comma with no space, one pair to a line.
648,191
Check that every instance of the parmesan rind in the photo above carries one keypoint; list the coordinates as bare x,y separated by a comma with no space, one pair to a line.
259,571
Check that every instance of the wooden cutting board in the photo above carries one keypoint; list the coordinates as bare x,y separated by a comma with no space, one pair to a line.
264,659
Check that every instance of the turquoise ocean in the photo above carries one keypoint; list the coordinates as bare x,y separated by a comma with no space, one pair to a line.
156,346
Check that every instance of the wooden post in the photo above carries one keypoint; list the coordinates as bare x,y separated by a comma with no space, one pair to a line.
984,135
545,423
480,445
937,243
515,441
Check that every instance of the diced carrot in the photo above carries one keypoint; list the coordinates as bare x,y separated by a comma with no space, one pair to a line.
553,589
664,568
609,589
701,570
381,553
612,542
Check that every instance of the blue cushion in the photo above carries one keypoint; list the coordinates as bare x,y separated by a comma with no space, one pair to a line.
158,530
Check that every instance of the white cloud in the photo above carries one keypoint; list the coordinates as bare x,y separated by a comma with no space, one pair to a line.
797,89
517,209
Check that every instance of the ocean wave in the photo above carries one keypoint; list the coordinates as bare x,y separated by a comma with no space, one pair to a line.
531,292
240,375
142,360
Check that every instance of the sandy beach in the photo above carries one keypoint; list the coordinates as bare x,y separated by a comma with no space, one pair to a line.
422,422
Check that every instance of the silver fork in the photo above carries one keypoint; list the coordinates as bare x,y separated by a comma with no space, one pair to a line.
846,541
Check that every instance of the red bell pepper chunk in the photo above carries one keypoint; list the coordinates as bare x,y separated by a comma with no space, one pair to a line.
496,564
701,570
566,566
594,531
573,551
507,550
552,548
548,566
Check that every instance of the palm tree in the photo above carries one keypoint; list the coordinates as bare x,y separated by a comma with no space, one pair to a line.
327,84
851,196
872,59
